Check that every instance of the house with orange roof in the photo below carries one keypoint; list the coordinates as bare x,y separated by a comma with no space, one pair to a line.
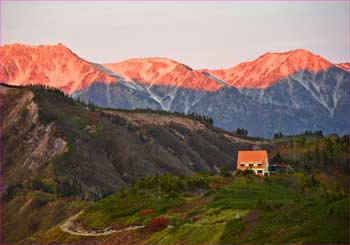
253,160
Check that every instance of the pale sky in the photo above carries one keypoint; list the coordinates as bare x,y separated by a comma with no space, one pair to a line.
199,34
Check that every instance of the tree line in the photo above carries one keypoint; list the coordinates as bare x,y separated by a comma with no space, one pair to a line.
241,131
306,132
201,117
93,106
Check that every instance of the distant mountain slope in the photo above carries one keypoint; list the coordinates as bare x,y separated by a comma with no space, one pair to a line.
296,79
310,93
53,65
327,90
270,68
291,91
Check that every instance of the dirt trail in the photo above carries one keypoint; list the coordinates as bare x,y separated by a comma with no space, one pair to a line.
69,227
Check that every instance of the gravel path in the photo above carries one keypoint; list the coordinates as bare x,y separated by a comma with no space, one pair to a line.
68,226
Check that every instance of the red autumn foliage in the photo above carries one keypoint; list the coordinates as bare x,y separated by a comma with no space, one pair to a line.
146,211
212,185
69,198
194,218
159,223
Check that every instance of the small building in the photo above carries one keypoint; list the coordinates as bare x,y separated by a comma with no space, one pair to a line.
276,168
253,160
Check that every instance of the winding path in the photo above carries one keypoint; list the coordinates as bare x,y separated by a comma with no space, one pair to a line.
68,226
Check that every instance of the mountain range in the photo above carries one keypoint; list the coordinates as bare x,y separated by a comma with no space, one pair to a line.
285,92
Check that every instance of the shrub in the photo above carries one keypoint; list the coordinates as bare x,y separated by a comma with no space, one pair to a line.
68,187
212,185
173,194
246,172
158,223
38,184
39,200
194,218
11,191
224,172
146,211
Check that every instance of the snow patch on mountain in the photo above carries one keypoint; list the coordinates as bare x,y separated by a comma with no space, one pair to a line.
219,81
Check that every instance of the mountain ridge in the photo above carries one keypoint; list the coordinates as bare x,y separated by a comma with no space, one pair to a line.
53,65
289,91
155,70
271,67
163,71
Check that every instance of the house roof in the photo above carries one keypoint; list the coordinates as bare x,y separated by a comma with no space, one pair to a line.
251,157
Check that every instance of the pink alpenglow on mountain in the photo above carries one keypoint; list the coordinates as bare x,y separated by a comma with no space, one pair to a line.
57,66
270,68
53,65
344,66
162,71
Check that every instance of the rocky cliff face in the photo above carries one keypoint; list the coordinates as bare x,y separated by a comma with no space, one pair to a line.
28,145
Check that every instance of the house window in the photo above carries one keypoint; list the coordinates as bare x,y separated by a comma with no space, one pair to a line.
242,165
251,165
259,164
259,171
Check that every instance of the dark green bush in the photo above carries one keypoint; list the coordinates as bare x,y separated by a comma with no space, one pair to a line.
39,200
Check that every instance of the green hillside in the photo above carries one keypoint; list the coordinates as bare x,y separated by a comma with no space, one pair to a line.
197,209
